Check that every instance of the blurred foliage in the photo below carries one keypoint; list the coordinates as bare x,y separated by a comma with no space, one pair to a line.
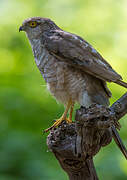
26,107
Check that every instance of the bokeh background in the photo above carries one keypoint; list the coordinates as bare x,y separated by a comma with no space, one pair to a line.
26,107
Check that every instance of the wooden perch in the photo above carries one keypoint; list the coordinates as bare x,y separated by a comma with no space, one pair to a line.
75,145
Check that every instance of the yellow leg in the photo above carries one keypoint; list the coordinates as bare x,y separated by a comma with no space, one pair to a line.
62,118
69,119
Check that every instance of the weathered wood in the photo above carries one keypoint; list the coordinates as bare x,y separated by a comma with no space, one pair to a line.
75,145
61,142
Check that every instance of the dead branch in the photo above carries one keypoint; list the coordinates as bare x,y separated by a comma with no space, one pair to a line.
75,145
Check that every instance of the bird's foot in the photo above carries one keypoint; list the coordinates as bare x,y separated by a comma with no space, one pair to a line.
68,120
58,122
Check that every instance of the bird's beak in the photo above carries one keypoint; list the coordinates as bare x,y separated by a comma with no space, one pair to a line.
21,28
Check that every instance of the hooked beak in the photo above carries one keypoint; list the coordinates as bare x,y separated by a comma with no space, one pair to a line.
21,28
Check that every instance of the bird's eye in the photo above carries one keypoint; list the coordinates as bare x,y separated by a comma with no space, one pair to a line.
33,24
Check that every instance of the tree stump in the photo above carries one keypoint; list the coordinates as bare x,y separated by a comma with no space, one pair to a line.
74,145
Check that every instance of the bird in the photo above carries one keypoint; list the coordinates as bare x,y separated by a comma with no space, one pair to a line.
72,69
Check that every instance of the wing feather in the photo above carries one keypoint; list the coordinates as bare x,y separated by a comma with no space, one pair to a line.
79,53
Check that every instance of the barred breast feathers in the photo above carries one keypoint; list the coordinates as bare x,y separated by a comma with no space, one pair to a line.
63,81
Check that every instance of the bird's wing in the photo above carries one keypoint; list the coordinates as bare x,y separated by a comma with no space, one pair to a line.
80,54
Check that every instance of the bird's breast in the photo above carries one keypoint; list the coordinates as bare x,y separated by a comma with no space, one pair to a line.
65,82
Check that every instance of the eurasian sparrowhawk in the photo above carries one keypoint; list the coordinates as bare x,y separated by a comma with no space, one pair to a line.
73,70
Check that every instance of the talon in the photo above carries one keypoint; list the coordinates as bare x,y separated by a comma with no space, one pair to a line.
63,117
57,123
68,120
48,129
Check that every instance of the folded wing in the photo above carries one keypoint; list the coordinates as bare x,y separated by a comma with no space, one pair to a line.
77,52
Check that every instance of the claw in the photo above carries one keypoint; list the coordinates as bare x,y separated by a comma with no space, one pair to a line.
57,123
68,120
63,117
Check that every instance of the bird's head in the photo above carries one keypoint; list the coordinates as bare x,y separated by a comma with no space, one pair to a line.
36,26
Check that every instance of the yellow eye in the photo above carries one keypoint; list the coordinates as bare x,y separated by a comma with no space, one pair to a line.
33,24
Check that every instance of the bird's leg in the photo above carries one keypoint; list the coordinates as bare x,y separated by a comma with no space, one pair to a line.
63,117
69,119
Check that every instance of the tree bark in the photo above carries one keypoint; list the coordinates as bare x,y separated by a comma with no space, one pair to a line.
74,145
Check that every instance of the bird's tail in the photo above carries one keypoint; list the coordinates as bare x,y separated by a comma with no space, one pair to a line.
119,142
122,83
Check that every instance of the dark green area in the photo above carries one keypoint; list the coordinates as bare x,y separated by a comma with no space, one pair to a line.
26,107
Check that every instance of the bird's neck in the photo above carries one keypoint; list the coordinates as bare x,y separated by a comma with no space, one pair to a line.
37,50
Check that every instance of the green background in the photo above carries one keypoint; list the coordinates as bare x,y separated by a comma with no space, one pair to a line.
26,106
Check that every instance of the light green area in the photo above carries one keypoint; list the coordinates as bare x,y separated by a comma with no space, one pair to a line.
26,107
